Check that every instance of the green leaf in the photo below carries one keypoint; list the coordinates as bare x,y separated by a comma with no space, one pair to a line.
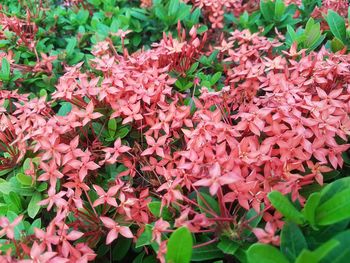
112,127
173,7
336,44
19,228
310,207
279,9
5,171
285,207
215,78
121,248
202,29
155,206
193,68
336,24
145,238
207,204
312,32
70,46
5,70
340,253
7,187
179,247
35,224
122,132
33,207
267,9
43,93
254,219
139,258
15,200
331,189
228,246
325,248
292,241
306,256
335,209
24,179
208,252
263,253
66,107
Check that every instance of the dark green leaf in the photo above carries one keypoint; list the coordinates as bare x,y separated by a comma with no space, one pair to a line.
292,241
207,204
121,248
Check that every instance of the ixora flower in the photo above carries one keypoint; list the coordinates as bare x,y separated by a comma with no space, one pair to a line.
7,227
217,179
115,230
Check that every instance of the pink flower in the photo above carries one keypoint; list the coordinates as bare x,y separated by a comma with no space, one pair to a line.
217,179
115,230
7,227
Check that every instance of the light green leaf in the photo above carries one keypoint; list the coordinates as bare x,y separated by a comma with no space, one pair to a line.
179,247
33,207
263,253
24,179
66,107
5,69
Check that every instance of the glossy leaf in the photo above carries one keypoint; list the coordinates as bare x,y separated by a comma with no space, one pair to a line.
285,207
179,247
292,241
263,253
335,209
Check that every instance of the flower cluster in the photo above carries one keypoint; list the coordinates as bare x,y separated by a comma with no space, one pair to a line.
185,134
